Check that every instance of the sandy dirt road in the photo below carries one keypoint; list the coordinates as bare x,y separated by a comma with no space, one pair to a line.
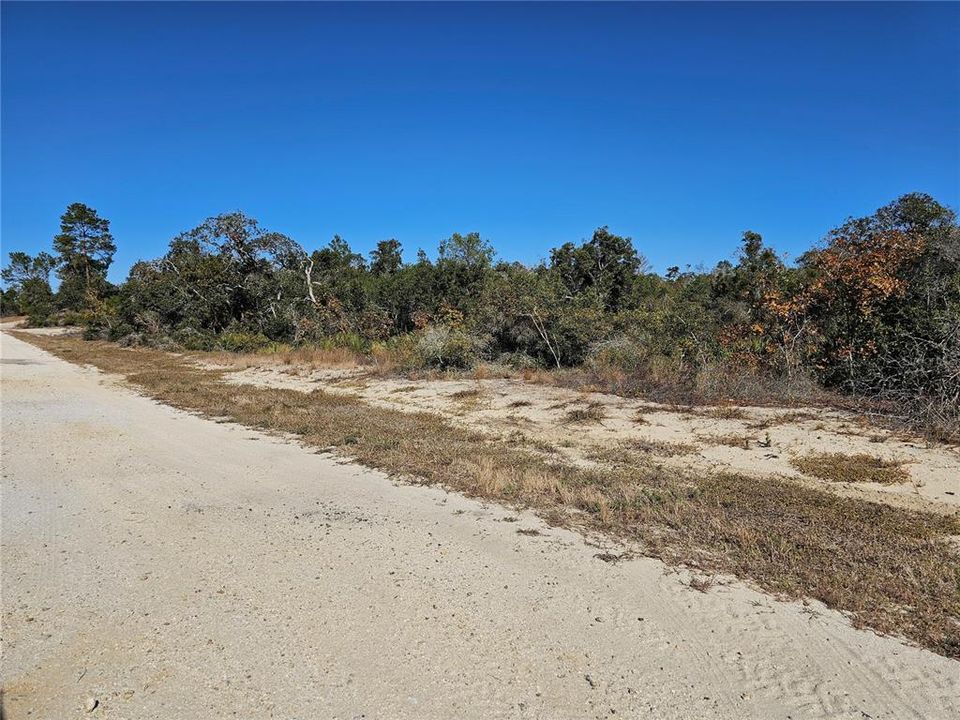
171,567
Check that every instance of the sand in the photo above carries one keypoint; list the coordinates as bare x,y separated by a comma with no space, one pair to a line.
156,564
537,414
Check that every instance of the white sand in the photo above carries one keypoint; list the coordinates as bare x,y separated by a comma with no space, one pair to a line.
169,566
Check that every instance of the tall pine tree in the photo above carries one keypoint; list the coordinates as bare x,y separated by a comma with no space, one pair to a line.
85,250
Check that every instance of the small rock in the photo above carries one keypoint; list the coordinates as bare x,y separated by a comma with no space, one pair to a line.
91,704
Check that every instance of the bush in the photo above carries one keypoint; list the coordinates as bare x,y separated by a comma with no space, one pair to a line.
624,354
241,341
575,331
118,331
519,361
96,332
397,353
345,340
192,339
68,318
133,339
442,347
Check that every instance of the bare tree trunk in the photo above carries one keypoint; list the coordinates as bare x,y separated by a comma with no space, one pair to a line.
541,329
308,271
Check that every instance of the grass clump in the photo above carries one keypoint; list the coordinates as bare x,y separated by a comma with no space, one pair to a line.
638,451
838,467
730,440
592,413
468,394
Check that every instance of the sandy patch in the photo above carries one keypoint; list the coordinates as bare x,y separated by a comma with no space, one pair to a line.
163,565
754,441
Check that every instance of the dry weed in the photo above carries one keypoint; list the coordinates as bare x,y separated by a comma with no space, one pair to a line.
731,440
592,413
838,467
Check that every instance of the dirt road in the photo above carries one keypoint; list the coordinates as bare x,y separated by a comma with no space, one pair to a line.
159,565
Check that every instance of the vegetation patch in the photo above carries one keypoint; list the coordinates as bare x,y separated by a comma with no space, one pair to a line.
519,404
730,440
891,569
633,451
787,418
838,467
723,413
468,394
592,413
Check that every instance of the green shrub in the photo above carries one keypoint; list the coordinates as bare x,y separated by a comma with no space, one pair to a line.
133,339
442,347
240,341
519,361
625,354
68,318
345,340
96,332
118,331
191,339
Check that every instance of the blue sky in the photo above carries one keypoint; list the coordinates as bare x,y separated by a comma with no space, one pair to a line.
680,125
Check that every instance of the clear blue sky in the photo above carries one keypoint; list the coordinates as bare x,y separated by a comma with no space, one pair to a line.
680,125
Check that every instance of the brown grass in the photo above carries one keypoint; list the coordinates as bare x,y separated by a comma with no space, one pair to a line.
731,440
520,403
891,569
302,357
721,384
632,452
701,583
787,418
724,412
592,413
468,394
838,467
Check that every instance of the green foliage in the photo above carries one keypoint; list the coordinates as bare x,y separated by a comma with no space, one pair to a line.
874,310
28,281
605,267
240,341
85,249
9,301
386,259
885,304
443,347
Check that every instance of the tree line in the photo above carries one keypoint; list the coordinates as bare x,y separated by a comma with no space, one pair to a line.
872,310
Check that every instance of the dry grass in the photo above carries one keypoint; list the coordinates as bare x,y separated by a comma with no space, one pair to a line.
310,358
701,583
891,569
638,451
731,440
519,404
787,418
721,384
724,412
838,467
468,394
592,413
